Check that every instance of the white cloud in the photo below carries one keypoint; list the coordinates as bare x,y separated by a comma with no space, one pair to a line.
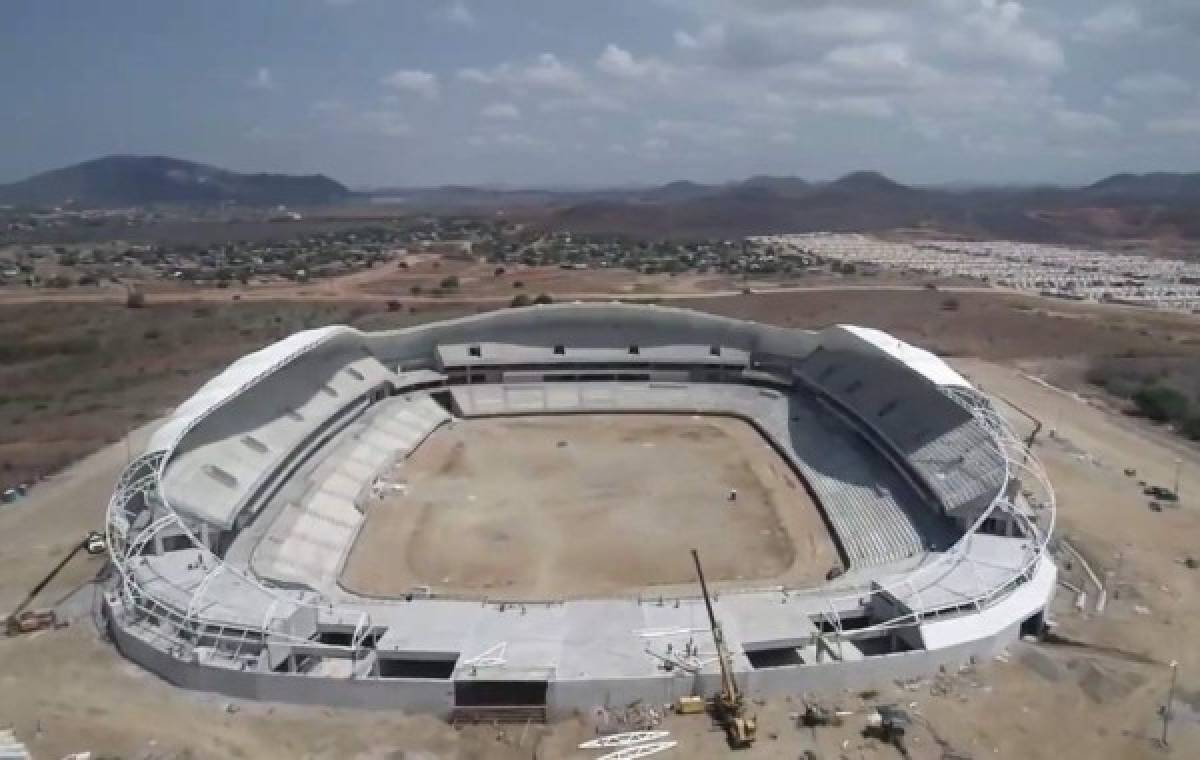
868,106
506,139
550,73
1109,24
475,76
620,63
414,81
546,72
382,123
704,132
337,115
753,36
1183,125
685,40
262,79
501,112
996,31
870,58
458,13
654,145
1083,122
591,101
1152,84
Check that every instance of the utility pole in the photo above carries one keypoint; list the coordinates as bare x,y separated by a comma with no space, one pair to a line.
1166,713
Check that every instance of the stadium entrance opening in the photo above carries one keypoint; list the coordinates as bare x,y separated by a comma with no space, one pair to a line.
474,694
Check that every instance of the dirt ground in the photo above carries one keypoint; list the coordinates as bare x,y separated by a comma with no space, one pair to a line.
581,505
76,376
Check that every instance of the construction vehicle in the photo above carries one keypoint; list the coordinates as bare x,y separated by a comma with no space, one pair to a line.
728,706
23,620
889,724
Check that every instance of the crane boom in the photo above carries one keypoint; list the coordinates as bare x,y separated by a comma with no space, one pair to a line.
728,705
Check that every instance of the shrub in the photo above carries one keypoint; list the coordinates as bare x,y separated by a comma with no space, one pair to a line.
1191,427
135,299
519,300
1161,403
950,304
449,283
415,290
543,298
393,305
498,271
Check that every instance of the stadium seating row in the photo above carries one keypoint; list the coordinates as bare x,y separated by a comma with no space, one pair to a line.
310,536
947,448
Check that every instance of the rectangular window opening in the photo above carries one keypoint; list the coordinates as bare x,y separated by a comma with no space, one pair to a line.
774,658
409,668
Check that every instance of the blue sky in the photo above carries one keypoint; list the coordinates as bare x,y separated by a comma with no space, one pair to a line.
568,92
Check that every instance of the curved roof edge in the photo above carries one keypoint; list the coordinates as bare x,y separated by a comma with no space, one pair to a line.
237,377
917,359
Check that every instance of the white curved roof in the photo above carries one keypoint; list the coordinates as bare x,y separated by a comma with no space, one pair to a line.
237,377
917,359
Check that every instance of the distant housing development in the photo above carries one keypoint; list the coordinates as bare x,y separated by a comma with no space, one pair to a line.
1044,269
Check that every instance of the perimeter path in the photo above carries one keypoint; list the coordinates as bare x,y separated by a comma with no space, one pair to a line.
318,293
1156,610
40,529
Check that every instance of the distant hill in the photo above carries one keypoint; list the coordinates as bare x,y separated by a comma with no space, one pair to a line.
866,201
1158,187
144,180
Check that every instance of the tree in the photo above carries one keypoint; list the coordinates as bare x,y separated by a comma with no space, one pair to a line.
1191,427
498,271
1161,403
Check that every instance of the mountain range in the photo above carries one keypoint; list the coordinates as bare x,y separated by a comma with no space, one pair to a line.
115,181
1120,206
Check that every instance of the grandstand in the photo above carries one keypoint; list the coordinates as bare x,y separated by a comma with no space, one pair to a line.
231,532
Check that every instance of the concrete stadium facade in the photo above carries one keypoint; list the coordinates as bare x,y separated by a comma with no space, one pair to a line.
229,532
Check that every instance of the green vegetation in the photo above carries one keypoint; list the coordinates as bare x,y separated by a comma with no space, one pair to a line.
1161,404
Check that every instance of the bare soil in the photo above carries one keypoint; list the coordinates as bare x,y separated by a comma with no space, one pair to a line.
580,505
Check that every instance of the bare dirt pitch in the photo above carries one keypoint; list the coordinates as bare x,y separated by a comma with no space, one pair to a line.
553,507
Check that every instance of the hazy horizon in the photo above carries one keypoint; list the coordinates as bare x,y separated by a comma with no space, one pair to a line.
626,93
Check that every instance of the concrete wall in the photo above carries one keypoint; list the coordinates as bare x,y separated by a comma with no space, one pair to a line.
565,697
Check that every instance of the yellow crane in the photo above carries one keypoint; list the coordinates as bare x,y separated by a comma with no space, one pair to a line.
728,705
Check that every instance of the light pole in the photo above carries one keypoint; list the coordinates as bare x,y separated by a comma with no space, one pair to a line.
1170,698
1178,467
